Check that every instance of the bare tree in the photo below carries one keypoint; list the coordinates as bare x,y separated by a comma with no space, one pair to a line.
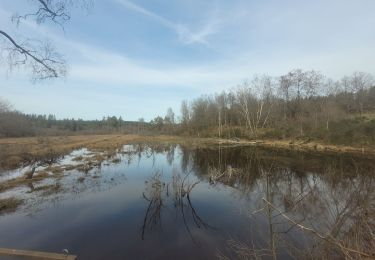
39,57
185,113
5,106
312,81
360,82
169,117
255,99
285,85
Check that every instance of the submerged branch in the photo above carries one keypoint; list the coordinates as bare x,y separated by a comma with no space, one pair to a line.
327,238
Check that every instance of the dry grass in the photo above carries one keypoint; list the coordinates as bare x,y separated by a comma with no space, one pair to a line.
15,151
9,205
314,147
47,189
16,182
57,169
81,179
22,150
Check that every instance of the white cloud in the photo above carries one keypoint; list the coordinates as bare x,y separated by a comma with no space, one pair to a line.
253,39
184,33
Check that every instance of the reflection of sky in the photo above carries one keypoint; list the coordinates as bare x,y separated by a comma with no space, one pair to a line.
103,216
109,221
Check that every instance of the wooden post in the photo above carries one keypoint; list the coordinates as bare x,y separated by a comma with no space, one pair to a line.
36,254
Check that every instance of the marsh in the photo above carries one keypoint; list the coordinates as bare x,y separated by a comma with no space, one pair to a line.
169,201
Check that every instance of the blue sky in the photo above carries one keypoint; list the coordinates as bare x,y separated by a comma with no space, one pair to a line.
137,58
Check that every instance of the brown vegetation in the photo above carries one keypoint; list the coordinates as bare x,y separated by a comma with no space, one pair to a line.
300,105
17,151
9,205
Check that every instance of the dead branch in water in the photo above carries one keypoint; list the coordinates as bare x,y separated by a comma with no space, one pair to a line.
228,173
327,238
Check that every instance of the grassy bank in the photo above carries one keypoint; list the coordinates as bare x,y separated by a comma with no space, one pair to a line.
312,146
15,151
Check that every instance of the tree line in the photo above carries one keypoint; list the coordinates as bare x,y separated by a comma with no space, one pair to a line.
299,104
17,124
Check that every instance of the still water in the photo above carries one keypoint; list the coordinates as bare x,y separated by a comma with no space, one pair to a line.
178,202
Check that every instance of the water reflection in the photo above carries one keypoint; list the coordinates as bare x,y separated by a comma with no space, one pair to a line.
208,202
173,196
313,207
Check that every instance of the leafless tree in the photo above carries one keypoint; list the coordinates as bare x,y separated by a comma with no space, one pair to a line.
285,85
185,113
169,117
360,82
39,57
312,81
5,106
255,99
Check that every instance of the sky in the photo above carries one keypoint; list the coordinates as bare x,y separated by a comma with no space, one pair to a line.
137,58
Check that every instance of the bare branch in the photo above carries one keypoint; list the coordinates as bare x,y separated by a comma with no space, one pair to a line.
42,59
56,11
327,238
44,62
5,106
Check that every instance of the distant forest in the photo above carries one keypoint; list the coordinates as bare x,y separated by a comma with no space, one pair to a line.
300,104
16,124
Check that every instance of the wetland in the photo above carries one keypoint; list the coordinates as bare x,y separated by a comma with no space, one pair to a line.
153,200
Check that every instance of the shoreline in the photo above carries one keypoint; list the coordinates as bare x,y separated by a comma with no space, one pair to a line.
315,147
15,151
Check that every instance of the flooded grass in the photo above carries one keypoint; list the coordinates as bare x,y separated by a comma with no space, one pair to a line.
9,205
18,151
47,189
246,201
13,183
78,158
81,179
23,150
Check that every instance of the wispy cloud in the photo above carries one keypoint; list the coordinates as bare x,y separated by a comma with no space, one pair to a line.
184,33
244,37
102,66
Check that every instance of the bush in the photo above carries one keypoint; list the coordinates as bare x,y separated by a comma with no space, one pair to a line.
358,131
276,133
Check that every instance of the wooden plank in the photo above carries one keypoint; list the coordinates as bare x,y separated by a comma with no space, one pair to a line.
36,254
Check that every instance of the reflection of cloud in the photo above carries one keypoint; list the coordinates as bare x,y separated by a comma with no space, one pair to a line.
184,33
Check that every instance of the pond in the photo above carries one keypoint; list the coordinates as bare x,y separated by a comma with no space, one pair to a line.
169,201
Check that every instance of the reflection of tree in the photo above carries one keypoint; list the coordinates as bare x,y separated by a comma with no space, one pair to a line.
334,196
176,195
150,150
170,154
74,185
154,195
310,215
